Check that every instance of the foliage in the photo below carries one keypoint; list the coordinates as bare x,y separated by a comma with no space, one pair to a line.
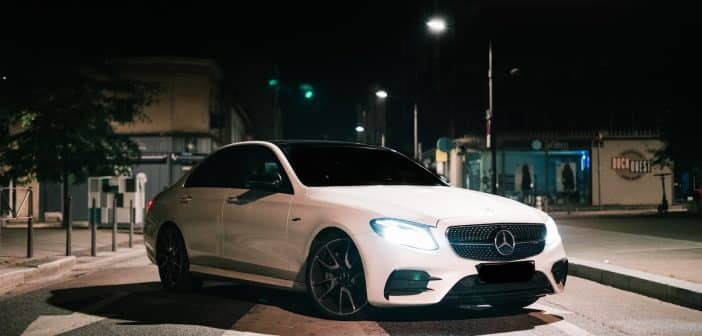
61,121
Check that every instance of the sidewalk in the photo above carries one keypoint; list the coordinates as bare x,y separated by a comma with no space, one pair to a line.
49,259
638,249
51,242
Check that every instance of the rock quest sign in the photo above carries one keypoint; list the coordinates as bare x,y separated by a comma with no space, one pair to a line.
631,165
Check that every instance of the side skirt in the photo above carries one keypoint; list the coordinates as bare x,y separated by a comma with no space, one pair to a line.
219,273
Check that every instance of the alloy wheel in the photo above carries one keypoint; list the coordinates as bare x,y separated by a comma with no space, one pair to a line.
336,278
170,258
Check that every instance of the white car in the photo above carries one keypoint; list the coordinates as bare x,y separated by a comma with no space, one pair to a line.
352,225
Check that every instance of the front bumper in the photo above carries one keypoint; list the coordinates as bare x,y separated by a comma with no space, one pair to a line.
449,276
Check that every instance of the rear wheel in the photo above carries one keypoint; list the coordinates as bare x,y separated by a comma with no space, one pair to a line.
172,261
335,279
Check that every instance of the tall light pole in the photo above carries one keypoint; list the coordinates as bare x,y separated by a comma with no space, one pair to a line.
382,95
491,141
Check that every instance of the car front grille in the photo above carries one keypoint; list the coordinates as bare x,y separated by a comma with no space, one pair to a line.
477,241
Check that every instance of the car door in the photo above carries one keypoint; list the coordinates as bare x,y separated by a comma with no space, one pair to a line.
199,209
254,217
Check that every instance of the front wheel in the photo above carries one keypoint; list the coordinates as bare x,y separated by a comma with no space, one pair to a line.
335,279
172,261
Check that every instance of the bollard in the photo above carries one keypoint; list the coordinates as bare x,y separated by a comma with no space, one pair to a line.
69,225
30,226
132,217
93,230
30,238
114,224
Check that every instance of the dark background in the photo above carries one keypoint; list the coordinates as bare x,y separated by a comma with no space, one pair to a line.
584,65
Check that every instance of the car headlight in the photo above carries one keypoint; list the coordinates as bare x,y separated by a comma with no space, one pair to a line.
552,235
405,233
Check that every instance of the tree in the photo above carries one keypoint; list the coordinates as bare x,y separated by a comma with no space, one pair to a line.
61,118
681,137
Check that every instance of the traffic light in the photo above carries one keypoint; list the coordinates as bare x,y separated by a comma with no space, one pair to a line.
307,91
273,82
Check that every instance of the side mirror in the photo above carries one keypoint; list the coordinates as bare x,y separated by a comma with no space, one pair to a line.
265,181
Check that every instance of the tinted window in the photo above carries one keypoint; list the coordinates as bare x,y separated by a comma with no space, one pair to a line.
221,169
262,161
327,165
232,167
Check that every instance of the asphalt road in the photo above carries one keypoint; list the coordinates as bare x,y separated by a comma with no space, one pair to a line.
126,299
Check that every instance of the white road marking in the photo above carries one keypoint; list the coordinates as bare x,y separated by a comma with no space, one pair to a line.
242,333
551,321
58,324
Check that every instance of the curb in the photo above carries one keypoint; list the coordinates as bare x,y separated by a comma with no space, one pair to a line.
108,258
12,277
676,291
15,276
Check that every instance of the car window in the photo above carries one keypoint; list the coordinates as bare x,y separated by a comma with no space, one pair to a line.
222,169
262,161
233,167
326,165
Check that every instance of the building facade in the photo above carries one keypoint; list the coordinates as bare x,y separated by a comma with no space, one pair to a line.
193,115
574,169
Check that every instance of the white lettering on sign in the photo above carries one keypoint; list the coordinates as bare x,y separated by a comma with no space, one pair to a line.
631,165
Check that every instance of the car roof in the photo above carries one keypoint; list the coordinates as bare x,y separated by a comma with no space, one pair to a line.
320,143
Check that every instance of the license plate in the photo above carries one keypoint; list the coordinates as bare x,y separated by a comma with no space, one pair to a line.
506,272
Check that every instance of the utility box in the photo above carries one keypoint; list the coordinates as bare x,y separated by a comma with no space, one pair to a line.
122,189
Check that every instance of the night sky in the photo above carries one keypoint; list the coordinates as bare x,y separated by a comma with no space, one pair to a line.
583,64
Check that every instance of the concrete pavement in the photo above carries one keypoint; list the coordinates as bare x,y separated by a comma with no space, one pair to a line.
49,261
126,299
658,256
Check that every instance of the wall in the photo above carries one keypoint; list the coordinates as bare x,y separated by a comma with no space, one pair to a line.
183,104
617,190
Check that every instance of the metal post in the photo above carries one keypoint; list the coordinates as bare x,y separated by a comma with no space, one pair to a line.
69,225
93,230
416,139
114,224
599,173
132,217
493,139
30,225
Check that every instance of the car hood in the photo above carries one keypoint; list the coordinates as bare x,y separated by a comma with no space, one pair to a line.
431,205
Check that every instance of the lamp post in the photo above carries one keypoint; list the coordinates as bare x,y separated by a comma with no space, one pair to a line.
491,129
382,95
491,138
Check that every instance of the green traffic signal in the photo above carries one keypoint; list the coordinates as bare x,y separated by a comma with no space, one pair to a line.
308,90
273,82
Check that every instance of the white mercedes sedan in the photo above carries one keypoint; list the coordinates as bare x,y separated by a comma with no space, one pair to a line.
355,226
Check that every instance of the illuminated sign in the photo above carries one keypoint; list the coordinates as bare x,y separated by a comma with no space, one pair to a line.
631,165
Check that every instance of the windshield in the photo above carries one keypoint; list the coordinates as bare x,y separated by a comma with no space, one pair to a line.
324,165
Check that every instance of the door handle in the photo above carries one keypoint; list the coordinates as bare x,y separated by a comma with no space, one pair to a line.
232,199
185,199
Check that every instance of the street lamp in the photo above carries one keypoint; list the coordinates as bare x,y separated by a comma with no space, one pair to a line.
436,25
382,95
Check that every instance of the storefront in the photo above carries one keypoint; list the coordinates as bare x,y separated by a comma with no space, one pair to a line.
563,169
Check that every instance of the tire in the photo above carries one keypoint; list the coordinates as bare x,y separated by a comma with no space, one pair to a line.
515,306
173,263
335,279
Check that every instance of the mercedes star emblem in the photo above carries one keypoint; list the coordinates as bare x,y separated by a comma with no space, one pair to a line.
505,242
